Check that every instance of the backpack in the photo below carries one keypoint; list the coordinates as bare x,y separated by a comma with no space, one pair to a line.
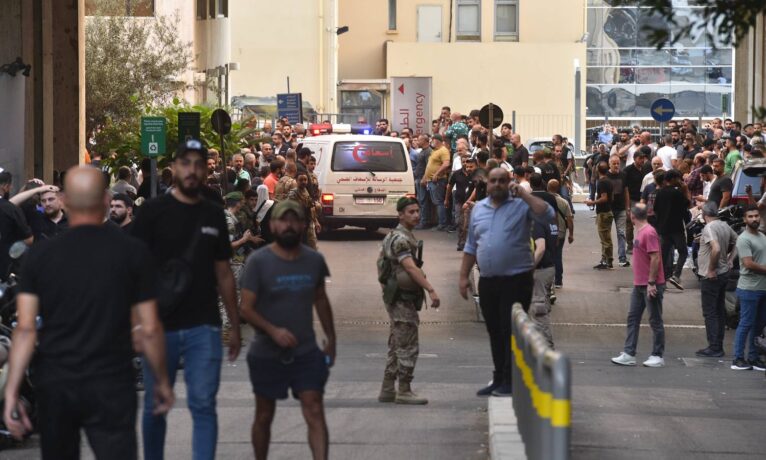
385,268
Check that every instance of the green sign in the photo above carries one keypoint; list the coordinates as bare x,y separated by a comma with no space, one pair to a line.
188,126
153,136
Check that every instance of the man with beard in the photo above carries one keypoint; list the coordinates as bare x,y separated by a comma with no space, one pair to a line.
82,365
301,195
121,211
403,284
280,284
53,221
498,237
183,229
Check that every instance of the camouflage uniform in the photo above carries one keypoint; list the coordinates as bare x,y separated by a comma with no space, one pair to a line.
403,345
302,196
283,187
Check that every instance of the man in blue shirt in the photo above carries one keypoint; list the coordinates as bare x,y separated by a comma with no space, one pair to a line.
499,239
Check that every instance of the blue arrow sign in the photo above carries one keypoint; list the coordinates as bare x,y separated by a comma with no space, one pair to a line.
290,105
662,110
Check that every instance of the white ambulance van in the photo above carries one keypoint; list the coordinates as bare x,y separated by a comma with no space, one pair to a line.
361,178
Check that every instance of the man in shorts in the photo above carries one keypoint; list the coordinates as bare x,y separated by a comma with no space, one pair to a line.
280,284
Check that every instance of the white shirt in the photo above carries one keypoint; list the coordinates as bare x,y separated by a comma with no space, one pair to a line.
457,163
629,155
648,179
667,154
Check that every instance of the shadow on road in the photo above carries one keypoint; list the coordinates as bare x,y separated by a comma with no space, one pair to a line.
353,234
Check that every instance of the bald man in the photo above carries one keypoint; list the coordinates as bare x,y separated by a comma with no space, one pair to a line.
91,286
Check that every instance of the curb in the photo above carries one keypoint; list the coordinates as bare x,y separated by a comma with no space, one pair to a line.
504,438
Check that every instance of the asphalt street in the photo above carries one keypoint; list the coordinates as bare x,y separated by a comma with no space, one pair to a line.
692,408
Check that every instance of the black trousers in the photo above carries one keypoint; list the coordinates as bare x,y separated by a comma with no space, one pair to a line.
497,295
713,293
104,408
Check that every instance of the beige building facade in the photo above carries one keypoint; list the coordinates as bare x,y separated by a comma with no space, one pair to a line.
519,55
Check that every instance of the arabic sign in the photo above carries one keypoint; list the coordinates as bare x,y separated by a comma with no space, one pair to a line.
290,105
369,156
411,102
153,136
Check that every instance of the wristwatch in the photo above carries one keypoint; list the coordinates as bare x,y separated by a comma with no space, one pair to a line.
651,283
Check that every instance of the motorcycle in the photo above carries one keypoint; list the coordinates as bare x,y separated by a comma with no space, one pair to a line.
8,291
735,218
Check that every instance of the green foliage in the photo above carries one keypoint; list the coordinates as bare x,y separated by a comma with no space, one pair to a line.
731,20
124,138
131,63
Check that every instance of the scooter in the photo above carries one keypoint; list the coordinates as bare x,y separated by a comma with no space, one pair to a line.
8,291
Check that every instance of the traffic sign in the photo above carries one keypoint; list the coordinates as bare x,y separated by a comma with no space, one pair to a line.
497,116
153,136
290,105
662,110
221,121
188,126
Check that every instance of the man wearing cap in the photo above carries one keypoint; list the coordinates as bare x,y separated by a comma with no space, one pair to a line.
189,239
280,283
435,178
403,283
716,254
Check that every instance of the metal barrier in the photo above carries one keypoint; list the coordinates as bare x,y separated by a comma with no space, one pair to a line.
541,379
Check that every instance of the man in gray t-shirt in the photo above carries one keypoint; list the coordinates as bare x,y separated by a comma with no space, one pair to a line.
717,249
751,292
280,285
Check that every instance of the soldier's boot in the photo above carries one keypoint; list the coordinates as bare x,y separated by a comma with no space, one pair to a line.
406,396
387,391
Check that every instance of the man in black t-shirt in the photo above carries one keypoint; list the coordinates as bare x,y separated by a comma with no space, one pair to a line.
460,181
670,208
121,212
634,176
83,375
604,217
721,188
620,205
13,225
546,238
182,228
53,220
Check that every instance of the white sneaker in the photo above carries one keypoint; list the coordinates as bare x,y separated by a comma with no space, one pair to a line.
624,360
655,361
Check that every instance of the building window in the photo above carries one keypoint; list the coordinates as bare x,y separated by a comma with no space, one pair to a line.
391,14
201,9
223,8
468,27
507,20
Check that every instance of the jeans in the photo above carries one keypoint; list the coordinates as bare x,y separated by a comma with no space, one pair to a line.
604,226
639,301
459,215
559,261
424,200
752,316
202,351
438,191
497,295
674,241
592,190
619,222
713,293
564,192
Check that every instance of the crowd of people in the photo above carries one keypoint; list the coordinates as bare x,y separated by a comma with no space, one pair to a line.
650,192
233,241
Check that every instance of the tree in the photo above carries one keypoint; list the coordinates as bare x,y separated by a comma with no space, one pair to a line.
130,64
733,20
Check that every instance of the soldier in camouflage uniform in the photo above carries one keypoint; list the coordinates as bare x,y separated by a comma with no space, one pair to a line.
403,295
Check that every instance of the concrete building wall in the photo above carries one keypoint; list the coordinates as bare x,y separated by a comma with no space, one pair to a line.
750,72
273,41
543,99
